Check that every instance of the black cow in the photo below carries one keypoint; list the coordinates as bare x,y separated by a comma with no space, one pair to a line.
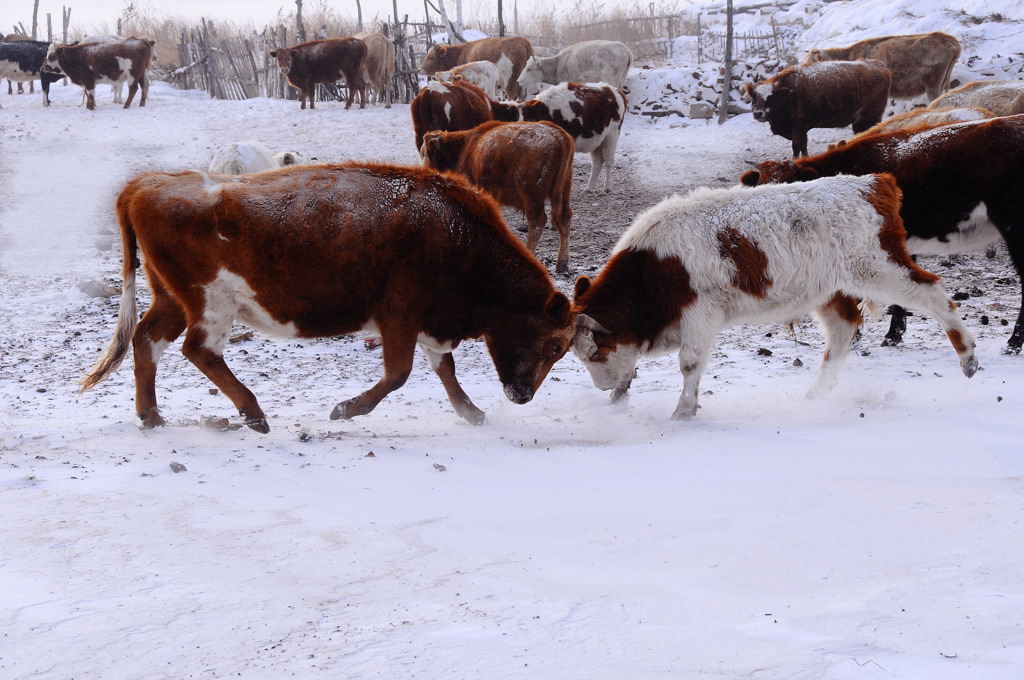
21,61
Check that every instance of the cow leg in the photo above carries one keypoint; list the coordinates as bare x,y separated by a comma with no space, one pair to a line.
161,325
444,365
596,163
839,318
90,96
132,89
698,328
45,87
21,87
10,88
799,143
561,218
31,87
145,89
399,342
897,326
203,347
608,147
535,221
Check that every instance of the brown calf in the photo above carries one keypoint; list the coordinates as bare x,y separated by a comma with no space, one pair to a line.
920,63
449,106
324,61
521,164
508,54
322,250
90,63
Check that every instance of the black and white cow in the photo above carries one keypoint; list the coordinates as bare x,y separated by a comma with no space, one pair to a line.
21,61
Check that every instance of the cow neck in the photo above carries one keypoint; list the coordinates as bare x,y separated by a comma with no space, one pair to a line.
638,295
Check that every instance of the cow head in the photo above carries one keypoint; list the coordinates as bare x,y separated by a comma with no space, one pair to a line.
610,362
284,58
524,346
437,59
286,158
441,150
531,77
763,97
778,172
51,62
813,56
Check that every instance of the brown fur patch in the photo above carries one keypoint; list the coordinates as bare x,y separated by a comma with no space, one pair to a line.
462,106
516,50
957,339
846,307
751,263
886,198
636,296
596,109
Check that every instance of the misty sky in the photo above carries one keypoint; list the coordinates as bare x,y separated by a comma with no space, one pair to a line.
88,14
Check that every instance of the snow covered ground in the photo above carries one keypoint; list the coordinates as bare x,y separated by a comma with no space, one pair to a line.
876,533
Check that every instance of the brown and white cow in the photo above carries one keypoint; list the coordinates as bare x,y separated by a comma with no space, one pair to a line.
691,266
380,65
508,54
449,106
113,63
591,112
322,250
960,182
522,165
830,94
1001,97
324,61
920,63
483,74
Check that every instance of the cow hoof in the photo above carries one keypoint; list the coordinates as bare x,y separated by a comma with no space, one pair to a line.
476,417
343,411
151,421
258,424
522,228
970,365
1011,349
562,268
892,341
684,414
619,393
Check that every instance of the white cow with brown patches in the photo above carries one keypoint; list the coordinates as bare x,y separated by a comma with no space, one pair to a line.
691,266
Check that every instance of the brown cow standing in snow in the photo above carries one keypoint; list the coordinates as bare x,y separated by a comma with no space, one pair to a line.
449,106
90,63
829,94
508,54
522,165
920,63
322,250
324,61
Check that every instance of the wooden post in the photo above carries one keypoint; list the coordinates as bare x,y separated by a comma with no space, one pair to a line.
298,21
359,16
515,17
66,12
49,27
35,18
501,20
723,104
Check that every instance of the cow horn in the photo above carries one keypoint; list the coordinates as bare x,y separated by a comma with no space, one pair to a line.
590,323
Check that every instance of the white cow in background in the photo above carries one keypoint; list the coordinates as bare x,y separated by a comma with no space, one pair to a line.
243,158
483,74
591,61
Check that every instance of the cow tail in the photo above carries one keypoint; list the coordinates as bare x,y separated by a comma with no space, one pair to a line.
127,316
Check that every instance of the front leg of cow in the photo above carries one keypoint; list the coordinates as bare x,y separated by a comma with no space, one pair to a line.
444,366
799,143
697,335
398,338
205,353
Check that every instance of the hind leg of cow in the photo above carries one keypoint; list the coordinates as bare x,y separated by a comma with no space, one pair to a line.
204,347
596,163
399,342
535,221
132,89
897,326
799,143
561,218
161,325
607,149
1007,213
839,318
145,90
444,366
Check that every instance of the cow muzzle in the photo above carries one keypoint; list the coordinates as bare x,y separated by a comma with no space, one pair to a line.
518,393
759,116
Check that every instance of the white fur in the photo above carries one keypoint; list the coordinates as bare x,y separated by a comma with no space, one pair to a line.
483,74
818,238
242,158
505,68
600,144
604,61
448,111
229,296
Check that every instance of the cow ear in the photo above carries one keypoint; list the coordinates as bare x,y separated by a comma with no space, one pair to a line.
582,286
751,178
273,54
432,141
441,49
557,309
781,92
804,174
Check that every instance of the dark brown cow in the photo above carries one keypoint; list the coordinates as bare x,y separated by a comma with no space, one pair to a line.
521,164
324,61
831,94
449,106
508,54
321,250
960,182
90,63
920,63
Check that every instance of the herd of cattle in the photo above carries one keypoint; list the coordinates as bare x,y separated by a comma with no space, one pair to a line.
422,256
